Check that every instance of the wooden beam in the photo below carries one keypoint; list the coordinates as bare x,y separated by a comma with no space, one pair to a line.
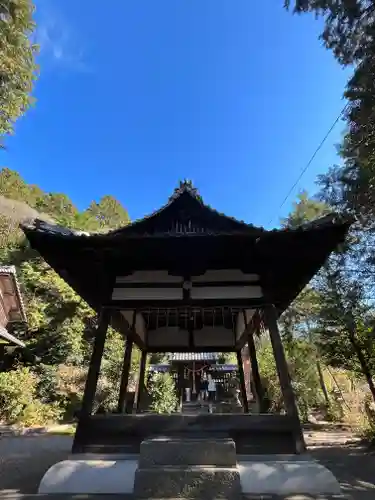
126,370
140,382
242,382
248,303
95,362
270,316
174,348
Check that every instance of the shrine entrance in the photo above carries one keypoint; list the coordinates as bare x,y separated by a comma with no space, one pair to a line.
189,279
191,372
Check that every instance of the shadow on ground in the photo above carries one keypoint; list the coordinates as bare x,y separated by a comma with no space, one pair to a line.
353,466
24,460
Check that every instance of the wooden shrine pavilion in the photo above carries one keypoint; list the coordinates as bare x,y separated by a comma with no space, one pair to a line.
188,279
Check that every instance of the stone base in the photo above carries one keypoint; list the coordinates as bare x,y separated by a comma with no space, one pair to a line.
286,476
161,451
273,477
90,476
188,482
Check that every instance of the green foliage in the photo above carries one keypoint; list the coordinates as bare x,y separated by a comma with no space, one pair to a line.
17,61
305,209
18,401
305,380
61,326
163,393
349,31
228,358
107,213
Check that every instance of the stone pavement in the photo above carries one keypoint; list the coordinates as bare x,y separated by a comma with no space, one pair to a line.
24,460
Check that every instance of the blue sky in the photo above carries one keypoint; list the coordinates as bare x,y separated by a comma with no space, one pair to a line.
138,94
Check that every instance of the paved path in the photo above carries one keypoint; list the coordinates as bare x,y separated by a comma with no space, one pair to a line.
24,460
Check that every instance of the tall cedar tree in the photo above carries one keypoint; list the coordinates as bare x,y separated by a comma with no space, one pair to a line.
349,31
17,61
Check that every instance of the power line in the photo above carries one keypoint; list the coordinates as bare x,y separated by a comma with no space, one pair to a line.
304,170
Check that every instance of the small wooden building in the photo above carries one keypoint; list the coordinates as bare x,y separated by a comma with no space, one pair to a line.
188,368
12,311
189,279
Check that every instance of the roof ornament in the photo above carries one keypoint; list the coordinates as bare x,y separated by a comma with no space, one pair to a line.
186,186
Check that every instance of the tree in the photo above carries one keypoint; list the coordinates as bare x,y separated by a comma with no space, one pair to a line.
305,209
300,317
349,31
17,61
345,324
107,214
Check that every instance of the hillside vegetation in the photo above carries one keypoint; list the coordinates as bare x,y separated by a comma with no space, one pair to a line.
46,381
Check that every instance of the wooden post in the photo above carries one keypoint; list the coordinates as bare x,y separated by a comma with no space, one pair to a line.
95,362
141,382
180,385
126,370
242,382
255,375
284,376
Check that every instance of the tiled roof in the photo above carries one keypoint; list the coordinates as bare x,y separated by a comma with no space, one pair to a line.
193,356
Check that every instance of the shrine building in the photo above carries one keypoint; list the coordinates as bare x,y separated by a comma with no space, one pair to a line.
188,279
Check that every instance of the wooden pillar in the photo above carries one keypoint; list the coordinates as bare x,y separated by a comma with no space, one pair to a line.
141,382
270,314
180,385
95,362
121,408
125,375
255,375
242,382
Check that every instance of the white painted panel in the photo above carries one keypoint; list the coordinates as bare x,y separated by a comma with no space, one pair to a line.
169,336
214,337
149,277
140,327
225,275
147,294
226,292
240,322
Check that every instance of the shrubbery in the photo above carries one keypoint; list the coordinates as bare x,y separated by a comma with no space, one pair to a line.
163,393
19,403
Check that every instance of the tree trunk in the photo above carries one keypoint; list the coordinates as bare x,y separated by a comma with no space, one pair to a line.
321,381
318,365
363,362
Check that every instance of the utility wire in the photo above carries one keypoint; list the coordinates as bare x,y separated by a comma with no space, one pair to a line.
304,170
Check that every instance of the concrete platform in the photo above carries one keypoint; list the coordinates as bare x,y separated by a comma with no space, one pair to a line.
90,476
286,476
272,475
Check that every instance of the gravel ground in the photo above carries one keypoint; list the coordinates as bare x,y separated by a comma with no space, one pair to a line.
24,460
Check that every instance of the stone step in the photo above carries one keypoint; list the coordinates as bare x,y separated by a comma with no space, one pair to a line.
111,496
188,482
160,451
